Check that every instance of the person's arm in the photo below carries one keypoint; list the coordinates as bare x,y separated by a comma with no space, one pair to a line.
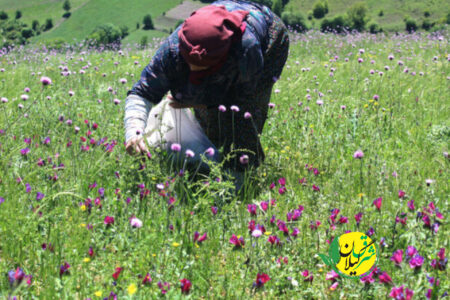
149,90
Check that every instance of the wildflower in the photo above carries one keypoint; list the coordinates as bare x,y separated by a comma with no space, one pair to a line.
358,217
282,190
274,240
117,272
123,80
271,105
108,220
308,277
199,239
16,277
411,251
397,257
244,159
401,194
251,208
214,210
147,279
261,279
175,147
2,200
222,108
257,233
315,188
411,205
210,152
367,279
164,287
295,232
132,289
24,97
358,154
25,151
385,278
332,275
135,222
264,205
39,196
247,115
234,108
429,181
282,181
416,262
185,286
400,293
334,286
46,80
319,102
64,269
189,153
237,241
377,202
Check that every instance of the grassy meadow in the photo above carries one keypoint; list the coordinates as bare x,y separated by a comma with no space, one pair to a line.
357,140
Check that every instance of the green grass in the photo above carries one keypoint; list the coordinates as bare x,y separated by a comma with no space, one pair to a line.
403,135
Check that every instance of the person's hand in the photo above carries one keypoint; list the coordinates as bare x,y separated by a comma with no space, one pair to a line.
175,104
136,146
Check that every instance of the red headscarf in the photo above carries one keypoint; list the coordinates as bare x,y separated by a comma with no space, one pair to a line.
206,36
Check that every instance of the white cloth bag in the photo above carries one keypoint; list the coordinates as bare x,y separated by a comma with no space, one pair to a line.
167,126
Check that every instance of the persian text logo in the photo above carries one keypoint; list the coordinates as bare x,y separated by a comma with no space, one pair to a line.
352,255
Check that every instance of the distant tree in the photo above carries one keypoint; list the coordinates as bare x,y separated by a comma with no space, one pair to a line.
18,14
48,24
325,6
374,28
35,25
337,25
380,13
319,10
277,7
138,25
410,25
27,33
144,41
448,18
67,6
294,19
357,16
426,13
427,24
105,34
124,31
148,22
3,15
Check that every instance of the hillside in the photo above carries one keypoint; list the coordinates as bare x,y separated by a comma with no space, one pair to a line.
86,15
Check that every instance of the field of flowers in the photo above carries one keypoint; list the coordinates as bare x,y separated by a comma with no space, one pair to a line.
357,140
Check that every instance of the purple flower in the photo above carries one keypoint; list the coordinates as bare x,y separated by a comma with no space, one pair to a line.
222,108
175,147
214,210
39,196
2,200
234,108
210,152
189,153
27,187
411,251
247,115
16,276
358,154
46,80
416,262
400,294
64,269
251,208
397,257
244,159
24,151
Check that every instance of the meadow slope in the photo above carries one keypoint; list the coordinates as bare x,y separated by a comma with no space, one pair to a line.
357,140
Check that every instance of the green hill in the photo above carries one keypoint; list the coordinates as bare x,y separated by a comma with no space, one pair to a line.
392,11
86,15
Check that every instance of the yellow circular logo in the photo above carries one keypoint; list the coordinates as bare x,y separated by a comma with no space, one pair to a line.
353,254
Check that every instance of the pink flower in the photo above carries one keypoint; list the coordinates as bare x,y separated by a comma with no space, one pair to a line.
116,274
251,208
385,278
397,257
315,188
234,108
214,210
108,220
332,275
400,294
274,240
358,217
401,194
46,80
411,251
199,239
147,279
261,279
377,202
222,108
308,277
282,181
247,115
411,205
189,153
264,205
175,147
358,154
416,262
135,222
237,242
210,152
367,279
244,159
185,286
271,105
